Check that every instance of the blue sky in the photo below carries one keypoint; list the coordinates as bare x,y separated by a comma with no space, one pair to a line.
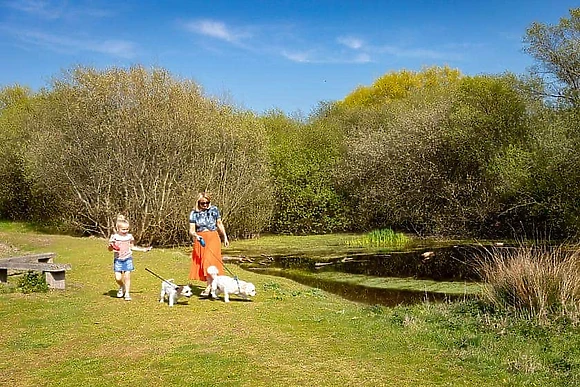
261,55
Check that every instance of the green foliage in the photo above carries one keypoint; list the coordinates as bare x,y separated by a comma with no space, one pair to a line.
385,238
32,282
15,192
302,160
389,168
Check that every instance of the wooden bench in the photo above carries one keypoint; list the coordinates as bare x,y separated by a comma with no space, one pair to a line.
44,262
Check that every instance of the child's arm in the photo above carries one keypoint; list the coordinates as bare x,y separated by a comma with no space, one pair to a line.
112,244
143,249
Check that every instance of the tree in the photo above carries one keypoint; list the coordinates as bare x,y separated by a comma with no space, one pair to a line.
398,85
141,143
302,157
14,188
557,50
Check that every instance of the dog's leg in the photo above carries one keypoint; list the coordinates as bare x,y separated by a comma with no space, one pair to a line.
226,296
171,298
162,295
214,289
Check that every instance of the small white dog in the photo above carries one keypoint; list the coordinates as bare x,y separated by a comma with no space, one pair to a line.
228,285
173,291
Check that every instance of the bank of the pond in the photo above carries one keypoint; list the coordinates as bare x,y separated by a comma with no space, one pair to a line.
424,271
288,335
386,291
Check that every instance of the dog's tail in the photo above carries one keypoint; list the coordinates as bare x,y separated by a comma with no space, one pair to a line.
212,271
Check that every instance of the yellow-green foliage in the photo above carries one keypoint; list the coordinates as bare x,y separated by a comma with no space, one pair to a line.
401,84
15,104
302,160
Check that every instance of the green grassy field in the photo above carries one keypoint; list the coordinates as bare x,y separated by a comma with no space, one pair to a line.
288,335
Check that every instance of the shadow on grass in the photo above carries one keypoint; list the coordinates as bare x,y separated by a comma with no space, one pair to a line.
113,293
34,227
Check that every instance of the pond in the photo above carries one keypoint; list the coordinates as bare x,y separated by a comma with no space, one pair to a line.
452,265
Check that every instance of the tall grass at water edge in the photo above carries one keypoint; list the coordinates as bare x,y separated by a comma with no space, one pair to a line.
537,283
385,238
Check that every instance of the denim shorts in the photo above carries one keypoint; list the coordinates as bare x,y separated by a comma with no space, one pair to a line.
123,264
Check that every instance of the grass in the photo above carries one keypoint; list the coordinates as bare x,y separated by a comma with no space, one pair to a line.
536,282
383,238
288,335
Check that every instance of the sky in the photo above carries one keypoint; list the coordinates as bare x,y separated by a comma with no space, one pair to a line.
263,55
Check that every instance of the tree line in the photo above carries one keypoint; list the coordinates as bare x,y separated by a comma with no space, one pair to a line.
430,152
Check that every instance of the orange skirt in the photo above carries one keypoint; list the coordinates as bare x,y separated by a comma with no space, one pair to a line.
204,257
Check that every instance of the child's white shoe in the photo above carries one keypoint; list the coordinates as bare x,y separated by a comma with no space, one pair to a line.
127,297
120,292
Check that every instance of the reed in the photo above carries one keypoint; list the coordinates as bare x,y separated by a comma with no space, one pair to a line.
534,282
384,238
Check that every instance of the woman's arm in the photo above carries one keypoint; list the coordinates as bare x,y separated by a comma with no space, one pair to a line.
222,230
192,231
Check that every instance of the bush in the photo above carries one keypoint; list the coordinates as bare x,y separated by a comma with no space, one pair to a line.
302,158
143,144
15,192
535,282
32,282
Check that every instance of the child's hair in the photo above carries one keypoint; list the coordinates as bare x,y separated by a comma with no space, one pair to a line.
121,220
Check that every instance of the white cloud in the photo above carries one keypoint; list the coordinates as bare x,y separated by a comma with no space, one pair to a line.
52,10
300,57
39,8
362,58
351,42
118,48
215,29
416,53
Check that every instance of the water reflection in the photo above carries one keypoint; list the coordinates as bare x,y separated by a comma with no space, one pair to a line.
364,294
451,263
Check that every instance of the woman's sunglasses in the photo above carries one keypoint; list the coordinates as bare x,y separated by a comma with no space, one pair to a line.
203,203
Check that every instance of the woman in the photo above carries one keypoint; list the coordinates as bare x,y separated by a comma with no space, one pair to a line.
205,223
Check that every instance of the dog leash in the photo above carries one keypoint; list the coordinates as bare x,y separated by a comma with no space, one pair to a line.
162,279
235,277
224,266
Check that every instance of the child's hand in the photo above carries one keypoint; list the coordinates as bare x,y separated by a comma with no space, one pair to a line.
113,246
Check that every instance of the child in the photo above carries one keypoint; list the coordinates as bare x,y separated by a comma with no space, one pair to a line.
122,244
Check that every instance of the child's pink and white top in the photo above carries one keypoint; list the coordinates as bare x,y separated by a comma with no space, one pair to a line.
121,245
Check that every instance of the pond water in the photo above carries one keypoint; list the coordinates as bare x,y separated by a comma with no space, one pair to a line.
450,263
365,294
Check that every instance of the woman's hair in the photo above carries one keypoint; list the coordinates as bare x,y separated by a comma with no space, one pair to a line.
202,195
121,220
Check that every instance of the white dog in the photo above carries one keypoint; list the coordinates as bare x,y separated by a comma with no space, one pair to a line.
173,291
228,285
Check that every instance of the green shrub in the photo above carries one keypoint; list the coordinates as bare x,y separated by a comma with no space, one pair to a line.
302,157
32,282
